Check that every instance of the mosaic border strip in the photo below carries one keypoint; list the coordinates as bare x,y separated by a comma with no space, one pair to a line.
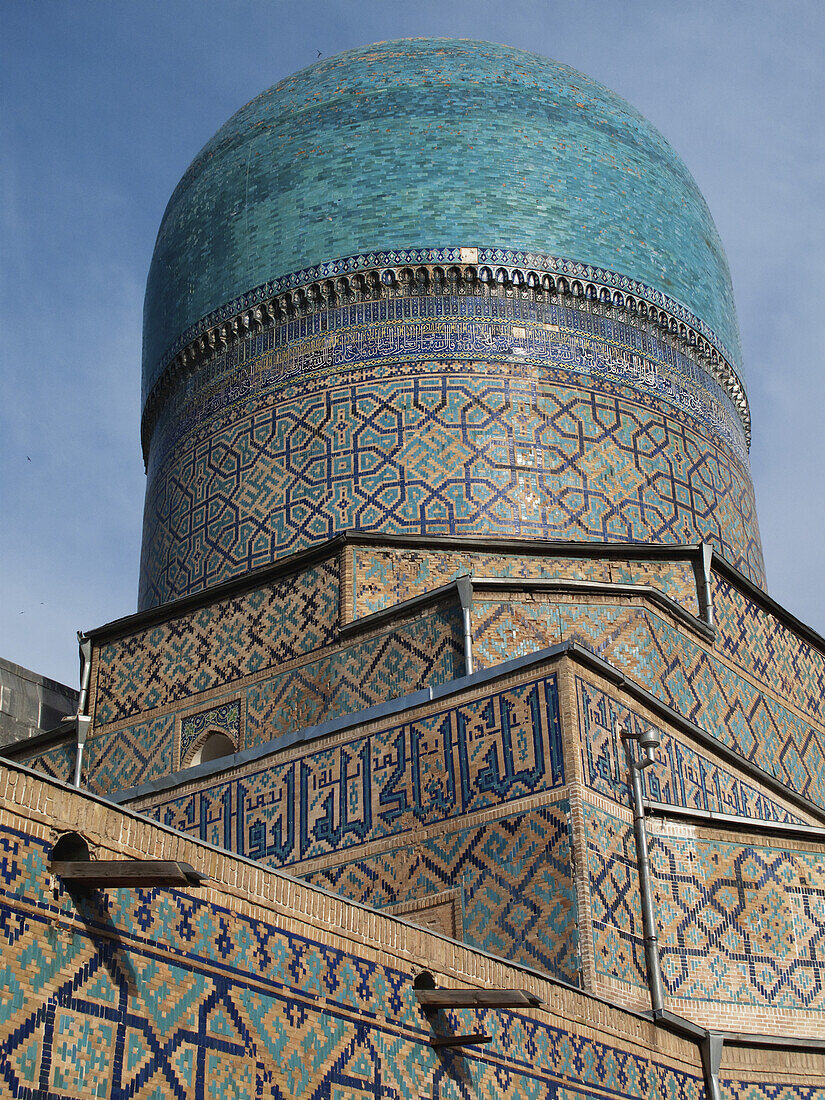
502,257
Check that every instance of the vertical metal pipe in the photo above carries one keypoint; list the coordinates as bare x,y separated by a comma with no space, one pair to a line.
82,719
651,942
465,595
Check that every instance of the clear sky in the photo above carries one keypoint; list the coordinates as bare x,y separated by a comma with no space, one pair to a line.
102,107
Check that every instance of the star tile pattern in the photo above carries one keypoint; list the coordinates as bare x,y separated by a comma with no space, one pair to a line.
433,425
739,923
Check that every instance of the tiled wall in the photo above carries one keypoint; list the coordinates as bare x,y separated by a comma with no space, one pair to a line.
371,669
263,987
383,576
259,986
454,800
598,432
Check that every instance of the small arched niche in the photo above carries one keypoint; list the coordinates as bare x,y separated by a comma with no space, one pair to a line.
70,848
213,747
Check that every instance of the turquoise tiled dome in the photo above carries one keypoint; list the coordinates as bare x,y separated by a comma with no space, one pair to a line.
429,143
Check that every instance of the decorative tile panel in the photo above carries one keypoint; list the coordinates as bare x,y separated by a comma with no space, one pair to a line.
225,718
522,452
682,776
373,669
162,994
741,924
216,644
497,749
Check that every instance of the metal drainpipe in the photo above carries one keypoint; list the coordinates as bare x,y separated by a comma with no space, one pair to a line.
83,720
706,595
465,595
648,742
711,1062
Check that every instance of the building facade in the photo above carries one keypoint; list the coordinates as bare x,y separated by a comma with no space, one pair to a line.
453,651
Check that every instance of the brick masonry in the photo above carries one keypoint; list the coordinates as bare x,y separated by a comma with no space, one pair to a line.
260,985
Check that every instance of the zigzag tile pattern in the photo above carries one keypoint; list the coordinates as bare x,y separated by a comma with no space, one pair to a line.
517,894
59,762
131,755
216,644
741,923
681,777
497,749
163,995
756,640
407,450
387,575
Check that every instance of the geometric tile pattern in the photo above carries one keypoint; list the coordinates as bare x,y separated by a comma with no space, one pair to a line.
756,640
515,877
614,898
740,923
161,994
383,576
681,776
551,450
310,803
692,680
58,762
426,650
135,754
215,644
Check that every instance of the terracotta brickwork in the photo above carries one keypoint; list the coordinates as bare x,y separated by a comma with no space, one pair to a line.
258,985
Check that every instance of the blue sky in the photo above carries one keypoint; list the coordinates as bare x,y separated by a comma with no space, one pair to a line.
102,107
